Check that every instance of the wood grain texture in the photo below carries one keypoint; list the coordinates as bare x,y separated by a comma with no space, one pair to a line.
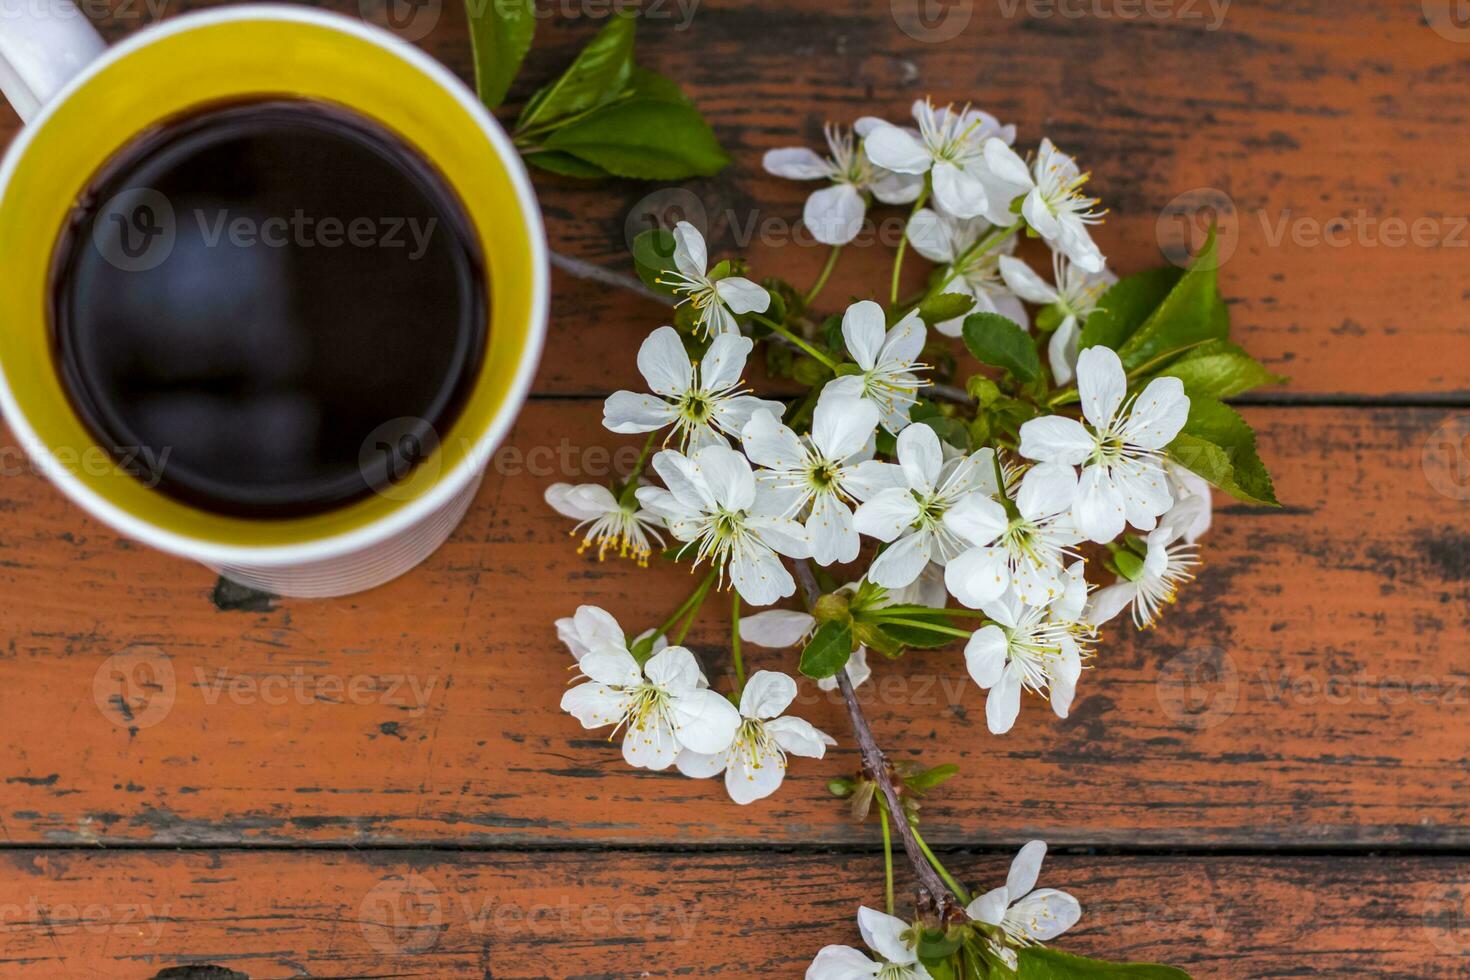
1328,127
131,916
1310,688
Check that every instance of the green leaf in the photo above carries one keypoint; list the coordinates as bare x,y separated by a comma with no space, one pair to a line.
653,255
1219,369
651,85
1040,963
1129,565
827,651
500,36
565,164
949,430
930,778
945,307
644,138
936,946
1000,341
1192,313
1125,306
917,630
599,74
1217,444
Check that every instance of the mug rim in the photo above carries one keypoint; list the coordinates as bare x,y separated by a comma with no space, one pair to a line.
448,483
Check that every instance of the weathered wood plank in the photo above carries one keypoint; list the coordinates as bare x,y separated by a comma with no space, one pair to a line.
1330,127
133,916
1310,688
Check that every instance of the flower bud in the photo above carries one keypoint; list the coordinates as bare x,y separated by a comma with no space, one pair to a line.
831,608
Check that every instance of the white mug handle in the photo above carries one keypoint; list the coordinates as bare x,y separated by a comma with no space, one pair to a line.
43,43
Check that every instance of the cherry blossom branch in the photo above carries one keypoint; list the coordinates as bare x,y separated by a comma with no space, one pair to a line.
582,269
934,895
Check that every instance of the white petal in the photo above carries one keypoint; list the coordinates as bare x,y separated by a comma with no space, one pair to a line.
831,532
769,443
665,364
799,737
904,340
1108,602
723,363
767,694
612,666
683,478
1046,489
1070,604
1061,350
887,514
705,722
835,214
977,576
748,780
895,149
1056,439
732,414
893,188
1077,243
1025,283
627,412
674,669
701,765
1099,512
1036,584
1045,914
689,252
841,963
901,562
743,296
884,935
1101,384
591,628
842,426
781,534
990,908
1040,217
796,163
862,332
728,476
1158,414
1025,868
1006,164
1004,703
651,746
776,629
957,191
594,705
985,657
580,503
977,518
867,479
759,576
929,233
920,456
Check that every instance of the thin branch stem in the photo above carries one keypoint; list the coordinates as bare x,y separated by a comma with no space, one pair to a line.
695,601
954,886
798,341
826,273
902,247
631,484
735,642
887,858
684,607
582,269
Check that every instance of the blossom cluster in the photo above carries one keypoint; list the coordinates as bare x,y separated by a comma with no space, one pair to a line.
937,506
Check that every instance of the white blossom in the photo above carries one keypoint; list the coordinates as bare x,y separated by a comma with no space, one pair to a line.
1028,915
609,524
888,364
718,301
949,146
755,763
704,404
1192,511
835,214
1026,648
890,937
714,504
914,519
662,708
1055,205
594,628
1075,297
1168,564
826,471
1123,480
969,271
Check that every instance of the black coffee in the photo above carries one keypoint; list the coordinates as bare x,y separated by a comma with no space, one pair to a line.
269,308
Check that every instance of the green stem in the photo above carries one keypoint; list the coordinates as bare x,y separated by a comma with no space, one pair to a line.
735,642
798,341
955,886
920,624
695,601
887,858
631,484
903,245
696,596
826,272
1012,511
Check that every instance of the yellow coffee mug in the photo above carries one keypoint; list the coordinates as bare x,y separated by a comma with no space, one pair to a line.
82,102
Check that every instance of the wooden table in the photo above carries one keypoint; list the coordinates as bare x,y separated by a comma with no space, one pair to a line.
1274,783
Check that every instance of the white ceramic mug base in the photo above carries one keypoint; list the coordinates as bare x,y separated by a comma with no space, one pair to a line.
48,50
